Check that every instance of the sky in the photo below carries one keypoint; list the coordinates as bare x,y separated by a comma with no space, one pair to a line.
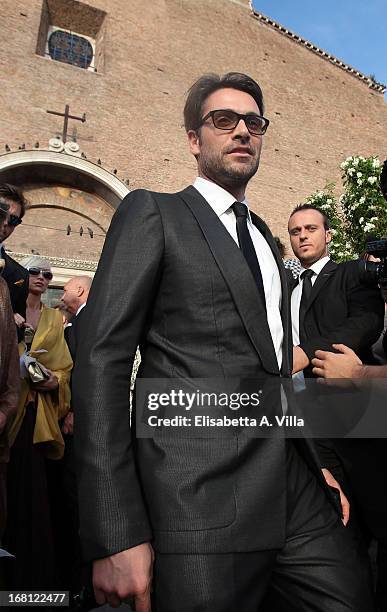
354,31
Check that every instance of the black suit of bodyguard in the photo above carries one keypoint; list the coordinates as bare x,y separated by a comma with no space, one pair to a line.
234,524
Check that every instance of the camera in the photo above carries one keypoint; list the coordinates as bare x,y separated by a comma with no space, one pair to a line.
372,272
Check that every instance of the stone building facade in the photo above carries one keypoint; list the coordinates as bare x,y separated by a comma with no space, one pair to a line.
132,62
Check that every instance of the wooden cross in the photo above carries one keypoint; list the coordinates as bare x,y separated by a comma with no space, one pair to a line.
67,116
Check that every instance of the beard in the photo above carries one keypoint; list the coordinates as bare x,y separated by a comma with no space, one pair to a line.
223,170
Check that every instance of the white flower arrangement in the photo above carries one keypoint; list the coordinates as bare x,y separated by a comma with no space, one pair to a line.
369,227
360,209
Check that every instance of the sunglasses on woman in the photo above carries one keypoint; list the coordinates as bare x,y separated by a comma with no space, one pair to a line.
45,273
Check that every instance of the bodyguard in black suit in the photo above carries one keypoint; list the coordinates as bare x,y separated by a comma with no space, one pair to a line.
330,301
195,279
17,278
331,304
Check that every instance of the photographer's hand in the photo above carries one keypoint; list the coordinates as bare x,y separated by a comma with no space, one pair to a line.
345,364
124,575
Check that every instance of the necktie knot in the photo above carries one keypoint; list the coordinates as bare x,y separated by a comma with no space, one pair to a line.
240,210
307,274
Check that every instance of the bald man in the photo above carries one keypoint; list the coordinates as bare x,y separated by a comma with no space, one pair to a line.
75,294
74,298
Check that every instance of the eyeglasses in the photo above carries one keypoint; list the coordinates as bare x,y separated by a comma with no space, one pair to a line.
228,120
45,273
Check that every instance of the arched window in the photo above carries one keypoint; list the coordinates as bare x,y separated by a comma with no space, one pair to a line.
70,48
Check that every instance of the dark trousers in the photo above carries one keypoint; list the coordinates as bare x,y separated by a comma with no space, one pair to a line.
320,568
363,474
64,502
29,525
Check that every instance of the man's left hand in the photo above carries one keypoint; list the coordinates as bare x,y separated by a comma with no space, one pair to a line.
332,482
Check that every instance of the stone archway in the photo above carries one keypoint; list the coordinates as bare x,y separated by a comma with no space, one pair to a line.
71,201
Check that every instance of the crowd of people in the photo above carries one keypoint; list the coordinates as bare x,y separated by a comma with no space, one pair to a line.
172,291
38,500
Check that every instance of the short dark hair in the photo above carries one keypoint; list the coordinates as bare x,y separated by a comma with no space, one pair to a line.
301,207
14,194
207,84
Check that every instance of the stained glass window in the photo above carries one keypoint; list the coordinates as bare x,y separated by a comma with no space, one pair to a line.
70,48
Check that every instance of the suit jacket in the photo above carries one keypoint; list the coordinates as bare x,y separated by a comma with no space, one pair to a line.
71,333
342,309
17,279
172,280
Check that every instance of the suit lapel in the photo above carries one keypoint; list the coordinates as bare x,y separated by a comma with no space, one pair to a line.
326,273
237,275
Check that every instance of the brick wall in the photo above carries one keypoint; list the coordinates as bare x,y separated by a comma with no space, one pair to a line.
152,51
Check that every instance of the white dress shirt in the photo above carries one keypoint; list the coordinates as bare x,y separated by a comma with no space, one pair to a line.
297,294
80,308
221,202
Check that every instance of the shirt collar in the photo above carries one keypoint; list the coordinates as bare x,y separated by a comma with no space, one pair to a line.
80,308
317,266
218,198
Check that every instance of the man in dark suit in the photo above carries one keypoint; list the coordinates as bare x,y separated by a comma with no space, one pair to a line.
195,279
13,203
331,304
66,529
74,298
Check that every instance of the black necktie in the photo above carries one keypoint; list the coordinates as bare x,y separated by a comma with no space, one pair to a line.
247,246
305,297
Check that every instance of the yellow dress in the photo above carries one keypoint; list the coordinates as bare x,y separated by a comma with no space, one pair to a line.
51,405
